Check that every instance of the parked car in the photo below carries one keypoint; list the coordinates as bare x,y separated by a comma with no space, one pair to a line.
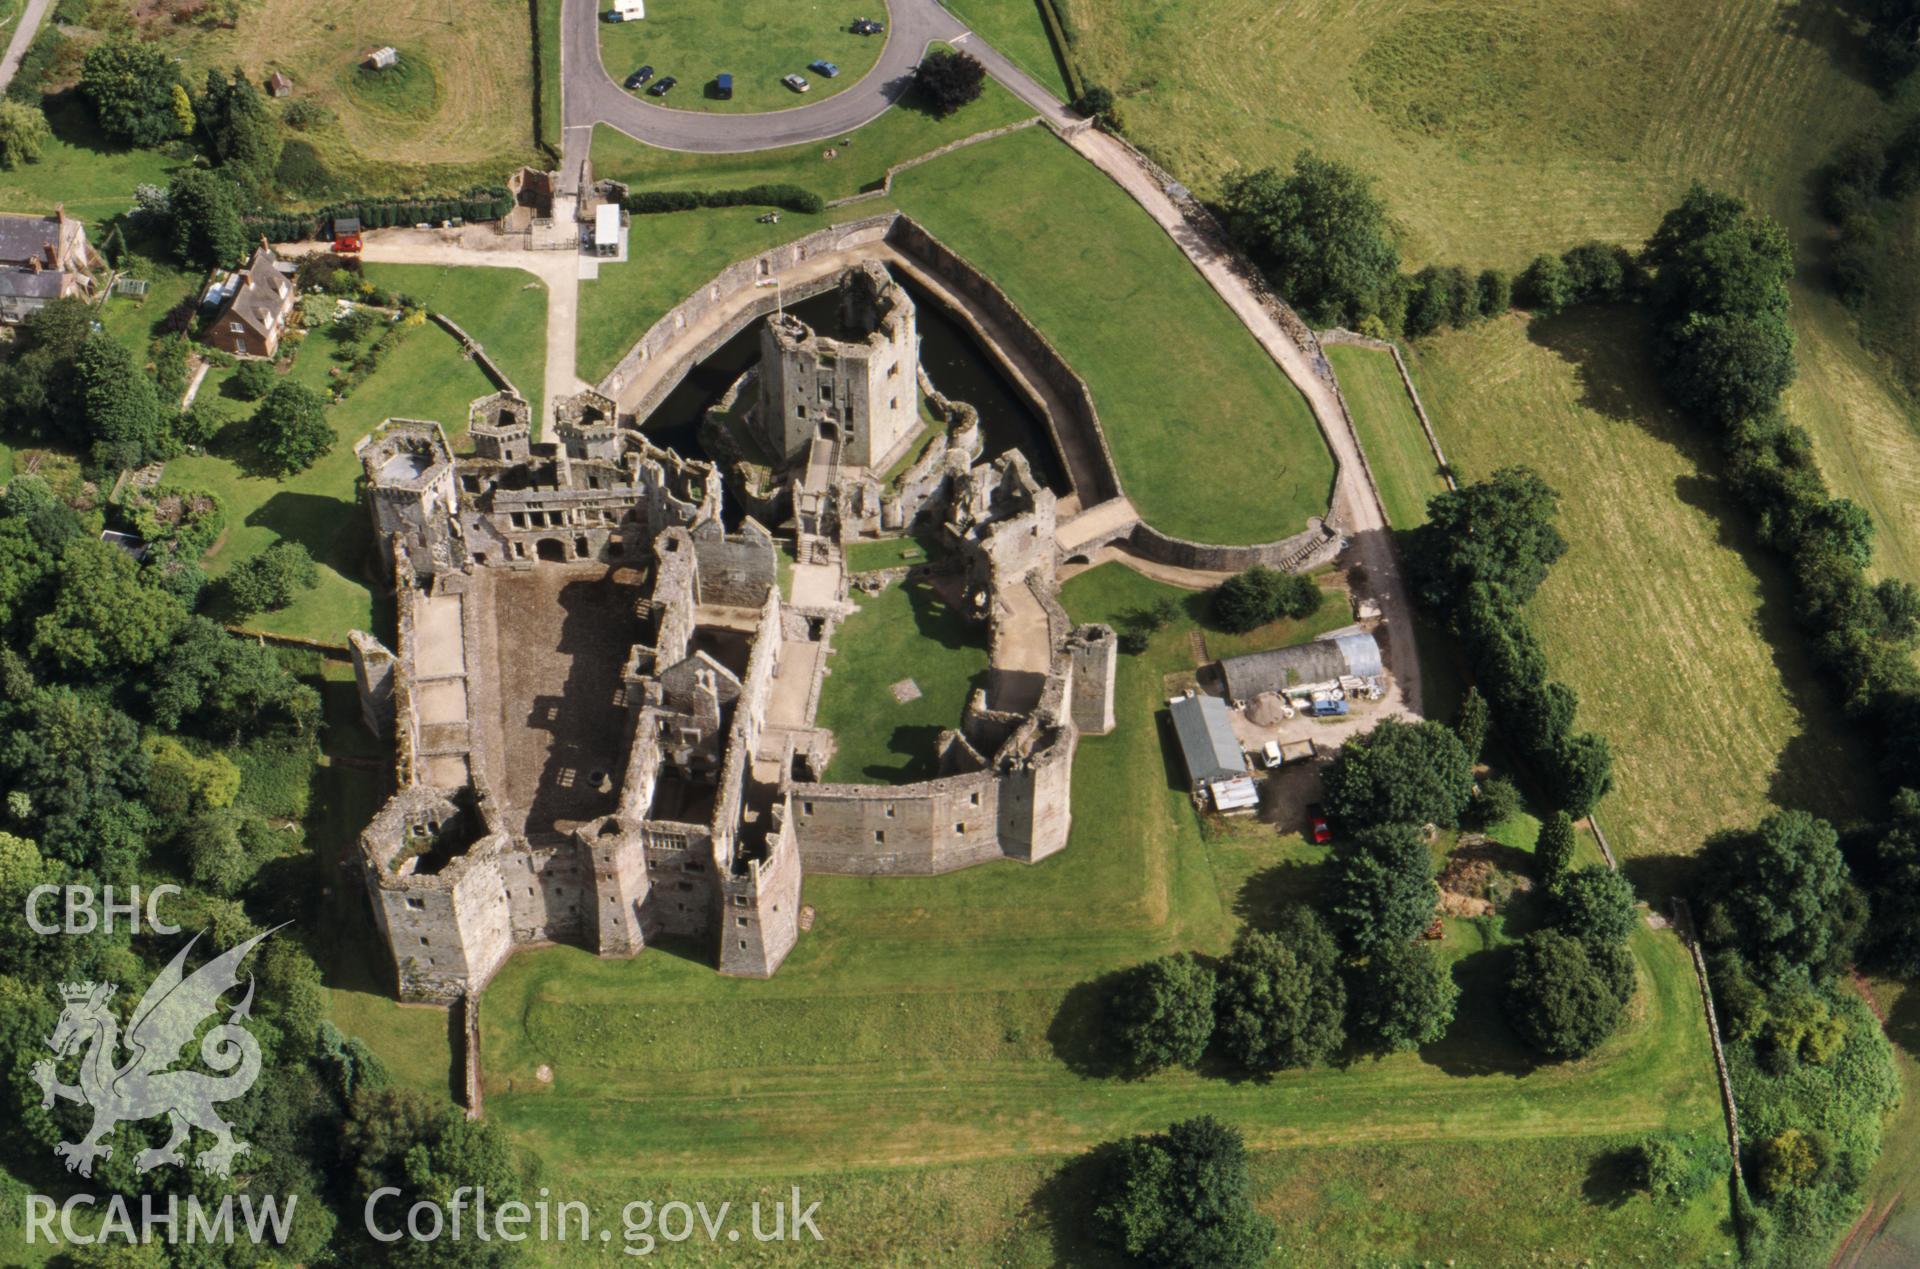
867,26
1327,709
798,83
823,68
723,86
663,86
1317,827
639,78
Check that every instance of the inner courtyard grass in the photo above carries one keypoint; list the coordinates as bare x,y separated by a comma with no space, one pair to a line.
907,631
859,160
1396,446
1212,442
757,43
1672,625
919,1063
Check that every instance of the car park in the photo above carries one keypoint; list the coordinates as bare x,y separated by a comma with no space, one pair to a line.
798,83
824,68
663,86
639,78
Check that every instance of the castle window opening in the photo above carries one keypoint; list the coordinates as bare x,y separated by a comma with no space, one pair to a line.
890,812
740,921
423,941
416,904
743,945
973,798
880,835
961,827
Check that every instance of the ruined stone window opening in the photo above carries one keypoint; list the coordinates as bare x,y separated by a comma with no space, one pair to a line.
880,835
740,921
423,941
416,904
961,827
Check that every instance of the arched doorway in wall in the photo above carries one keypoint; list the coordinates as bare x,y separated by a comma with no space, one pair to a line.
552,550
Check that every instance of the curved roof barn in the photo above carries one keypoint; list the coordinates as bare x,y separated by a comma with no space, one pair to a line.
1323,661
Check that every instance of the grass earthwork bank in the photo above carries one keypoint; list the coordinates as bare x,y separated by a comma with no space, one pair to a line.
1396,445
916,1064
1212,442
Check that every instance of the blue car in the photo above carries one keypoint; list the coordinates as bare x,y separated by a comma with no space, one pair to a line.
824,68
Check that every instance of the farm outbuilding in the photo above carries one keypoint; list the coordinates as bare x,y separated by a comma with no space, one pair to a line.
278,85
1320,663
1207,743
381,58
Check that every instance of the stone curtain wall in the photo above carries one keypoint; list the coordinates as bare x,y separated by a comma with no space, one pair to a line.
735,278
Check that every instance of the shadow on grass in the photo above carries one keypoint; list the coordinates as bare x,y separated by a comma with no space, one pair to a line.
1271,891
1831,27
1065,1203
1610,1179
1078,1031
1607,345
1903,1023
1480,1042
333,531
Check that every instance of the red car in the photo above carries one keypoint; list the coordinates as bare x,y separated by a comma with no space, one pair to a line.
1318,829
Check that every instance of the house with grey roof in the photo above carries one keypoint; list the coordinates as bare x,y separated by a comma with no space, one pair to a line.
1208,746
42,259
252,307
1321,663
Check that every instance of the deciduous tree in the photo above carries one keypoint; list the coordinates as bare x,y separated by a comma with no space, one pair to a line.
1403,998
1410,773
1182,1200
1320,235
1162,1013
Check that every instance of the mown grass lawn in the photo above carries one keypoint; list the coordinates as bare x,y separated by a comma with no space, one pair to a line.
757,43
424,377
505,309
1212,442
917,1064
79,168
1396,446
860,160
905,632
1672,625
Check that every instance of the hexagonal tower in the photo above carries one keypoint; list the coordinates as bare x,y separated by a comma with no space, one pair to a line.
409,470
860,396
587,425
501,427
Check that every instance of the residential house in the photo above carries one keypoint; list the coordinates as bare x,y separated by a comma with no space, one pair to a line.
42,258
253,306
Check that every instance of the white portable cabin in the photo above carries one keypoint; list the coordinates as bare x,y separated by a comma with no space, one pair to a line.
629,10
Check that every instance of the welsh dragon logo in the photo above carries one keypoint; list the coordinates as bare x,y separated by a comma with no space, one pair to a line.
160,1031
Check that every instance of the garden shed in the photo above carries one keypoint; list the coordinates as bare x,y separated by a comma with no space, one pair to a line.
381,58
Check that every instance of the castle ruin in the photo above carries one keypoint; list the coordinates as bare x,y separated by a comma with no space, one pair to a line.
601,704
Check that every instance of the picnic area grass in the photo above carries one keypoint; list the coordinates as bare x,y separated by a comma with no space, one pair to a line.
424,377
504,309
1212,441
907,631
1671,623
1016,28
859,162
918,1064
757,43
1402,462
